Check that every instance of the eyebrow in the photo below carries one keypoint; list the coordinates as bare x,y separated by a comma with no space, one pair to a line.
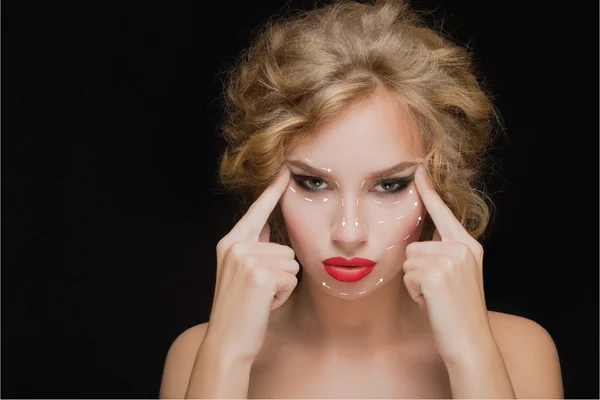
403,166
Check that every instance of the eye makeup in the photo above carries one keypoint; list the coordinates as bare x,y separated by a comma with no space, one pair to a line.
390,186
310,168
385,207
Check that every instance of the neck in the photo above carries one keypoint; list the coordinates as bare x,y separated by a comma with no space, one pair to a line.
383,317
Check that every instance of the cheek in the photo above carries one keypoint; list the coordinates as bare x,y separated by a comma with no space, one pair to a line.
399,235
301,222
408,228
306,225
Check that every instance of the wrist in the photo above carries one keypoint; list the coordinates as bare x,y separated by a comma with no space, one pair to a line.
218,372
474,356
224,353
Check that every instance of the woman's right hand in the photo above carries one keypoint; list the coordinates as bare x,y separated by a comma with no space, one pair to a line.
254,277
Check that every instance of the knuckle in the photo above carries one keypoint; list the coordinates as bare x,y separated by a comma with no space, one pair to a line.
435,277
405,265
290,251
295,280
222,246
478,249
236,250
410,249
463,251
407,278
449,264
249,262
296,266
259,277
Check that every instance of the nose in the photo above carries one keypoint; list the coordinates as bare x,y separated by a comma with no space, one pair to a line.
349,228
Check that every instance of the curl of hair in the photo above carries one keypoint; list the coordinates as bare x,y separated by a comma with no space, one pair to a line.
305,69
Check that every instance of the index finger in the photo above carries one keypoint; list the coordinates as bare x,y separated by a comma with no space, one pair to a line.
443,218
251,224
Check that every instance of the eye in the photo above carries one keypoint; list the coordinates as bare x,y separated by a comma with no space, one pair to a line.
387,187
310,183
393,186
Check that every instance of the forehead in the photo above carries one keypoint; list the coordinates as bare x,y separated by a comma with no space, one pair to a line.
375,133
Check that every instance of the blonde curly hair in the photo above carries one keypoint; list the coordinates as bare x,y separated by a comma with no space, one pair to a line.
305,69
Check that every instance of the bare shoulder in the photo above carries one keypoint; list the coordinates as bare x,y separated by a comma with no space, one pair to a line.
180,362
530,356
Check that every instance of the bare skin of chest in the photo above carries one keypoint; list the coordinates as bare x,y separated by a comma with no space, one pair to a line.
290,372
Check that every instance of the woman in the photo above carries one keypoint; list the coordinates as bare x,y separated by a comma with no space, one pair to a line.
358,133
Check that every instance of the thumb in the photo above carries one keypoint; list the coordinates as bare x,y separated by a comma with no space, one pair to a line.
265,233
436,236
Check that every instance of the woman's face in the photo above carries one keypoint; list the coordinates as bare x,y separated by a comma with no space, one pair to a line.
342,203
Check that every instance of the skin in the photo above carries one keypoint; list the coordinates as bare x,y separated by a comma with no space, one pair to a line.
379,344
374,344
371,136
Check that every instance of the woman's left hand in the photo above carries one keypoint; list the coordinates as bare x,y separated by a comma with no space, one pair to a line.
446,277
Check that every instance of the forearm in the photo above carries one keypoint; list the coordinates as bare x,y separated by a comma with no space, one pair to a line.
481,375
217,374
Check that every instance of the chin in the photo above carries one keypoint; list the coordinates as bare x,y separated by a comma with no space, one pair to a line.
317,277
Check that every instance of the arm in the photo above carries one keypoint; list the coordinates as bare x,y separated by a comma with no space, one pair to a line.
520,360
197,367
481,374
218,374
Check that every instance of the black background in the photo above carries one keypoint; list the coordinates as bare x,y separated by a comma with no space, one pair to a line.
112,212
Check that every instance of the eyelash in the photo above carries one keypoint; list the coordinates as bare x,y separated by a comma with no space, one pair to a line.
401,182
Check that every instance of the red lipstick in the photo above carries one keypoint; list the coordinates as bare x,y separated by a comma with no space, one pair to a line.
345,270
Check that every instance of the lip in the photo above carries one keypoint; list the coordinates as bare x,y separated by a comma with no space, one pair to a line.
354,262
344,270
348,274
